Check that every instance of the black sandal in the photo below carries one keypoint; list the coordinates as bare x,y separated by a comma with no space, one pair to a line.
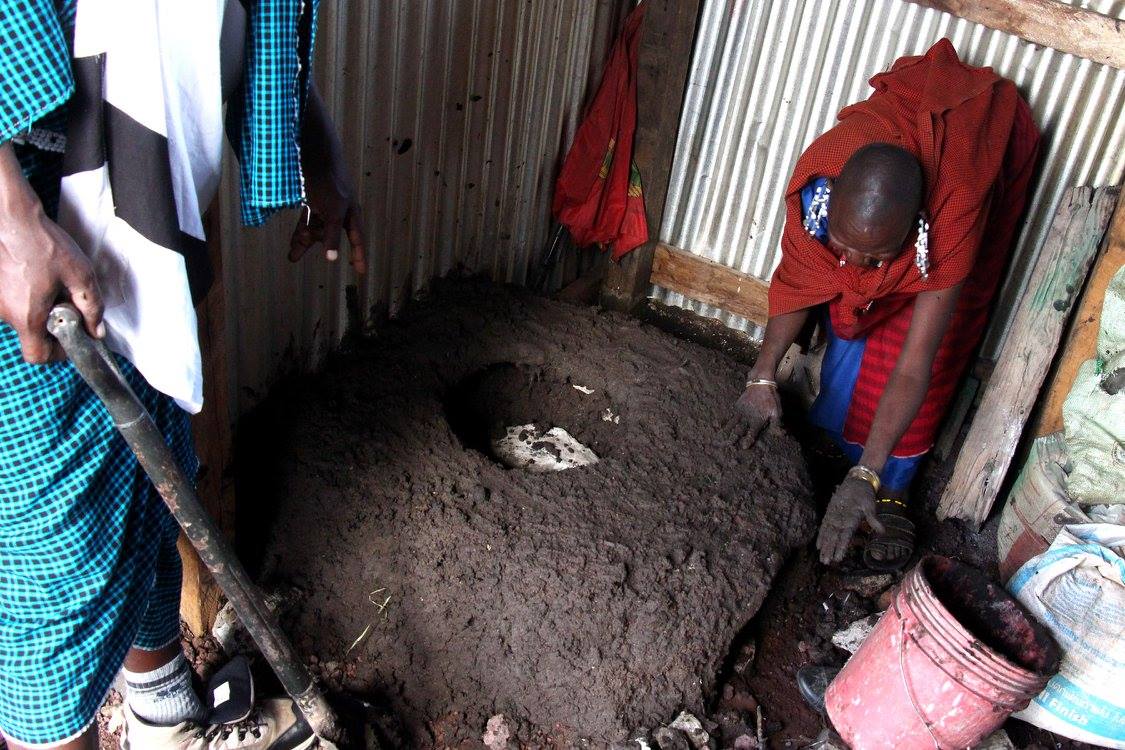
898,531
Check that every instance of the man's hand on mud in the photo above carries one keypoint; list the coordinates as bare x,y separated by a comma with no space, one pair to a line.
758,408
39,264
853,502
332,205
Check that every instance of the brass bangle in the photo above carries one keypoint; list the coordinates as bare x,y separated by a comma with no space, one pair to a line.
866,474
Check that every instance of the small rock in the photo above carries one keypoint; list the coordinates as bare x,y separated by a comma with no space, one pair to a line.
670,739
745,658
745,742
869,586
115,719
496,733
736,697
853,636
692,727
885,599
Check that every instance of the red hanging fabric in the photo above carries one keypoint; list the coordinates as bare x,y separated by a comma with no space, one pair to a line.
598,195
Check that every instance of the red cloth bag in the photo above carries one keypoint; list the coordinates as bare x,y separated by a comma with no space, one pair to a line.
598,195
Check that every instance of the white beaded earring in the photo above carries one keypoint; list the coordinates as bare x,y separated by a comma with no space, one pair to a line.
818,209
922,248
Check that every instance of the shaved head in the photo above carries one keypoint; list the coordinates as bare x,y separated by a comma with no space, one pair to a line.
875,200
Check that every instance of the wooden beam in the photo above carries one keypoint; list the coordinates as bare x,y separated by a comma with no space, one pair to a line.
955,419
1067,28
201,598
1081,340
664,58
711,282
1033,338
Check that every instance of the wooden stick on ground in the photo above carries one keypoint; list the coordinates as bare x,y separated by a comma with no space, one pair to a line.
1033,338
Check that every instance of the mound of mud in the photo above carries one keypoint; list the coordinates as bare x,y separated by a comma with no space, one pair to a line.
579,603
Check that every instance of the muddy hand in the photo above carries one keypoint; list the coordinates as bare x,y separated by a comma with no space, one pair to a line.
757,409
854,501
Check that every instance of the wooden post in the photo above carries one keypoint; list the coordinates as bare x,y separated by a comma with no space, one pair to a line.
1081,340
1062,26
1033,338
667,39
201,597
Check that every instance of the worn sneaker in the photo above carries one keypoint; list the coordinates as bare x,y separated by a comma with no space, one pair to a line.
272,725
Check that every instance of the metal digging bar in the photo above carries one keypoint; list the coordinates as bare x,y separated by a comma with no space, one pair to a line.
97,367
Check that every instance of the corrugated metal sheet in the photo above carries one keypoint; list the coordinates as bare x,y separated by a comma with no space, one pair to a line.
768,77
455,114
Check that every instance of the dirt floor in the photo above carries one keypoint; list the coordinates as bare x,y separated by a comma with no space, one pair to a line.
741,685
608,597
579,604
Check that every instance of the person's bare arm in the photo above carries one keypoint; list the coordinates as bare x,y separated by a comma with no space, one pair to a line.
39,264
759,406
854,499
781,332
333,206
906,389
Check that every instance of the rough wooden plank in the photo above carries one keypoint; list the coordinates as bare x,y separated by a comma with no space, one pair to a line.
664,58
710,282
200,598
1080,342
955,420
1033,338
1067,28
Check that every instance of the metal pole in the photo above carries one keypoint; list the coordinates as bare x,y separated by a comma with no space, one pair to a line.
97,367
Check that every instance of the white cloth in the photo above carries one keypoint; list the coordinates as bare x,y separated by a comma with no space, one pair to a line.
161,69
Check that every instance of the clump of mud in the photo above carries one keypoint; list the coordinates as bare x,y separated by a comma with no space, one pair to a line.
581,603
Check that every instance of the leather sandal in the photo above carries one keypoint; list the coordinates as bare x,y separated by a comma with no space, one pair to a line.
898,531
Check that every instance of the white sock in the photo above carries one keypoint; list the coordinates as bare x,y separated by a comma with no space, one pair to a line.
164,696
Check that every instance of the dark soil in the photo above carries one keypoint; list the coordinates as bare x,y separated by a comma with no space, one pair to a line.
584,603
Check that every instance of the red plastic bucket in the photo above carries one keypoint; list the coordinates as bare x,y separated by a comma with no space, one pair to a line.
946,664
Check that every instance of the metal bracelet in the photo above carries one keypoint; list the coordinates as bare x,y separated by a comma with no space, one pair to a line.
762,381
866,474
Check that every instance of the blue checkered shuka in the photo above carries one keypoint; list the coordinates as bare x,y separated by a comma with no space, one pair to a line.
88,561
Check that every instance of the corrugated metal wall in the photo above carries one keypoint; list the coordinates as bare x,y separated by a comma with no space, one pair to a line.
769,76
455,115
